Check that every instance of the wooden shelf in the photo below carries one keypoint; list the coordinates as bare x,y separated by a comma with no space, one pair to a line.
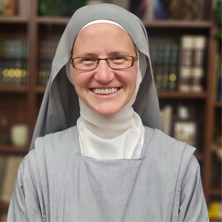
147,23
218,103
40,89
13,89
13,19
12,149
216,192
216,220
4,207
53,20
199,156
177,24
181,95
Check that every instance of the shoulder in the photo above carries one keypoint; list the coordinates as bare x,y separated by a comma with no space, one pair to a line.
166,145
57,142
56,138
167,153
53,150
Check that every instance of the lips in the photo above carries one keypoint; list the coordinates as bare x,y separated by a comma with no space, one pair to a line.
105,91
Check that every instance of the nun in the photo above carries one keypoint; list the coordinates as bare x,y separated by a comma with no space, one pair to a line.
99,152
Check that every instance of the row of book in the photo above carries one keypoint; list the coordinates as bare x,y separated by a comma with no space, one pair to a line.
8,172
44,72
164,57
47,49
13,49
179,66
13,72
159,9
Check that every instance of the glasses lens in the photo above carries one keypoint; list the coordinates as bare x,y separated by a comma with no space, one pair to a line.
85,63
120,62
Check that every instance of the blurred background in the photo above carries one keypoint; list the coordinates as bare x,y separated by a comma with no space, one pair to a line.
185,49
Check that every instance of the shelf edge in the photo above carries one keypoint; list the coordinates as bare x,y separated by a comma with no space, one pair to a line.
13,19
181,95
13,89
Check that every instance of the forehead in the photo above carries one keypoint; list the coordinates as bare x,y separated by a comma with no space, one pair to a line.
103,36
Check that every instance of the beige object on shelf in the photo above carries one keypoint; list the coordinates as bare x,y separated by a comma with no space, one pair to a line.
19,135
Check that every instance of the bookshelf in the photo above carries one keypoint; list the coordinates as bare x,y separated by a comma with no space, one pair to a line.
34,28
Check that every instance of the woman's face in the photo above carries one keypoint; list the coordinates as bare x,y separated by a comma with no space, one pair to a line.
102,41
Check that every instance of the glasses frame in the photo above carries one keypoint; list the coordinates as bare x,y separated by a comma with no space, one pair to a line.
106,59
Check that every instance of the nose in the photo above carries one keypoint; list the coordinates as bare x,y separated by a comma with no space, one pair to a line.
104,74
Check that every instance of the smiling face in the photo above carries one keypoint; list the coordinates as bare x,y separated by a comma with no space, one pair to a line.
103,89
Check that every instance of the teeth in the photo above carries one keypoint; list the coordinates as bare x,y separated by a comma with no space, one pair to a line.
105,91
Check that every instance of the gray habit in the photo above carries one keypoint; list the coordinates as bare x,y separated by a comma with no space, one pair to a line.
56,183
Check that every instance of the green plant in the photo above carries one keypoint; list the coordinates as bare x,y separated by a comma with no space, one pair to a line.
59,7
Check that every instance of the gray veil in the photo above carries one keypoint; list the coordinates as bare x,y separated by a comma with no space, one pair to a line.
60,105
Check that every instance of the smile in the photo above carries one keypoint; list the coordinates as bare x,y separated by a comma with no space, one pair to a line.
105,91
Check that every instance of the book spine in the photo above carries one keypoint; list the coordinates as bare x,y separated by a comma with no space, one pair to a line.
185,69
173,67
165,65
219,80
197,75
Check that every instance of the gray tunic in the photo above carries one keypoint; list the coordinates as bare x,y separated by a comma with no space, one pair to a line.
56,183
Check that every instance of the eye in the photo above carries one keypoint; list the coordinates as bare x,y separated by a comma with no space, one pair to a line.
88,60
117,59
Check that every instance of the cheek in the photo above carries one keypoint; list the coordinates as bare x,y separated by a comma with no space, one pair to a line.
133,76
78,78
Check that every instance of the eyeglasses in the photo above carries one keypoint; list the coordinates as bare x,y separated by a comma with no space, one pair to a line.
114,62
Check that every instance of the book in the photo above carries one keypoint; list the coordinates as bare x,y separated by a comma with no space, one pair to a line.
138,7
8,7
197,72
185,69
10,174
47,51
219,79
215,210
2,165
150,10
166,115
173,67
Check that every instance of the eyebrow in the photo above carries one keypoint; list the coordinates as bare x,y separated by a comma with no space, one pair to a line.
88,54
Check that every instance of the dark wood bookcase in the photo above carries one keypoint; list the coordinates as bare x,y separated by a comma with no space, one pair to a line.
25,101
